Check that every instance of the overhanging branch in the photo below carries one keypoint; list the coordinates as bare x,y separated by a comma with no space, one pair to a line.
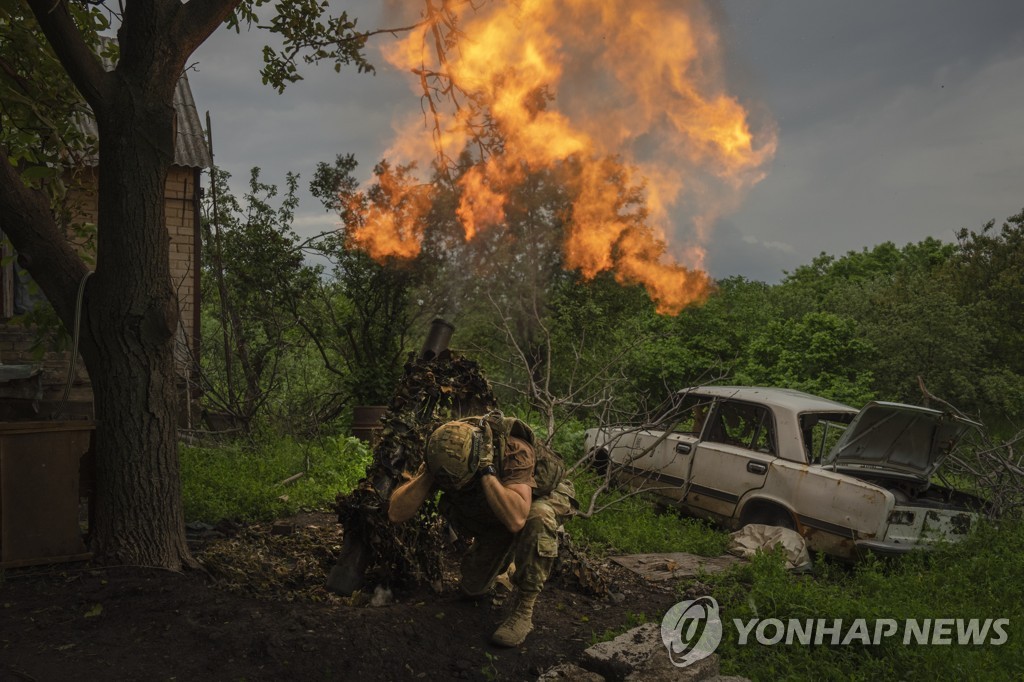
198,19
83,66
42,248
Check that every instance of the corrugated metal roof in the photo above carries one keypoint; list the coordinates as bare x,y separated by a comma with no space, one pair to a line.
190,148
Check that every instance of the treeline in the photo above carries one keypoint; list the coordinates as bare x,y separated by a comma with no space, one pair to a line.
296,332
868,324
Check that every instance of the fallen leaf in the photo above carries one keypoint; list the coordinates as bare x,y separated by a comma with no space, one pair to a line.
96,610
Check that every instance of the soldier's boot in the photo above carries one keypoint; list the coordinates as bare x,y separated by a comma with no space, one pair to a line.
515,628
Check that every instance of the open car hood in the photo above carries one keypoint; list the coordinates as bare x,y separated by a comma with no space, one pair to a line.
903,439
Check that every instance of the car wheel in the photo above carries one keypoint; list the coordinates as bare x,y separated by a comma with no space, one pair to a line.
769,515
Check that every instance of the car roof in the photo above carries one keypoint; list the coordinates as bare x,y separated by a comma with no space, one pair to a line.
785,398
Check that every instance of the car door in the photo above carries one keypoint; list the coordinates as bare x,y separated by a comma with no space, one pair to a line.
664,453
732,458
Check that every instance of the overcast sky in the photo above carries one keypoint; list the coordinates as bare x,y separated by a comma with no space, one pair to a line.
896,120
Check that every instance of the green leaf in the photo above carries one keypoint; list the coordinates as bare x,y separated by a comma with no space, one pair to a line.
34,173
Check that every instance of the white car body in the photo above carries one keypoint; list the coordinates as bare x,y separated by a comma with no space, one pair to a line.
848,481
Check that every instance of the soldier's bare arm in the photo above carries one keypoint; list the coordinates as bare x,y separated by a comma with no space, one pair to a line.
408,497
510,503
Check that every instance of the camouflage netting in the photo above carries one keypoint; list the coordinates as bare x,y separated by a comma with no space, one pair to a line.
432,392
577,571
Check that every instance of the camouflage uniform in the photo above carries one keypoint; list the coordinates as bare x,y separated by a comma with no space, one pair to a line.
534,548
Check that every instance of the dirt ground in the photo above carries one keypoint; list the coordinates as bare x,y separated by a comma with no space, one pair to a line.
261,613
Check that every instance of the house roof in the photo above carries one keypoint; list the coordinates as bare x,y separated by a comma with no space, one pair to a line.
190,147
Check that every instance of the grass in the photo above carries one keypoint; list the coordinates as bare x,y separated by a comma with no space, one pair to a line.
632,525
240,481
981,577
632,620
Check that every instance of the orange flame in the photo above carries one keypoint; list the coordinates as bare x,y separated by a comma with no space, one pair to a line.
636,80
390,225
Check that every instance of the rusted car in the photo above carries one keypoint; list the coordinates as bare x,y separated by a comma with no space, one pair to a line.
849,481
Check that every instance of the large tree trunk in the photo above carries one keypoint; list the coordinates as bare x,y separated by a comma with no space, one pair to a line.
132,318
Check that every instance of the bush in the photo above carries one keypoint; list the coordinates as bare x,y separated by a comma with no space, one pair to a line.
239,481
568,440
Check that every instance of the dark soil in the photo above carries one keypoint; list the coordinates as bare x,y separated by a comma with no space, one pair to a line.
261,613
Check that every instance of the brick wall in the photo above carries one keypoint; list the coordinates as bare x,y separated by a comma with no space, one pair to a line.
179,207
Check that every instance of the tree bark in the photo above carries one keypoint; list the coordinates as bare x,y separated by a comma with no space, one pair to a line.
132,318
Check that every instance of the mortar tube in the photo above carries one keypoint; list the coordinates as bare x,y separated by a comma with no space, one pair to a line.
438,337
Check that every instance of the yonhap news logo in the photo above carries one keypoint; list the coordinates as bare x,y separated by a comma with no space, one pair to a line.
837,632
691,630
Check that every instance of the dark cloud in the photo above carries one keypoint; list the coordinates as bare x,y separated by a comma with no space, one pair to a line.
897,121
323,115
733,253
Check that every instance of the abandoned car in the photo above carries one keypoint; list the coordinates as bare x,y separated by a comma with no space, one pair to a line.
848,481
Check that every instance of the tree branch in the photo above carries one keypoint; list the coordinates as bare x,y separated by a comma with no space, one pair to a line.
42,248
932,397
83,66
198,19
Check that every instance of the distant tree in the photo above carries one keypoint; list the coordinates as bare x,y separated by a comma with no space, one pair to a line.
706,343
822,353
577,358
255,281
835,283
360,318
918,327
986,276
948,313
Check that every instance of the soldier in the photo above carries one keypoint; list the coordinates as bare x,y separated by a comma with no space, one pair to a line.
506,491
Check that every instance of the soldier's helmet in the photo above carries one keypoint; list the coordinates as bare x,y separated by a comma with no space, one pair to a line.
453,453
